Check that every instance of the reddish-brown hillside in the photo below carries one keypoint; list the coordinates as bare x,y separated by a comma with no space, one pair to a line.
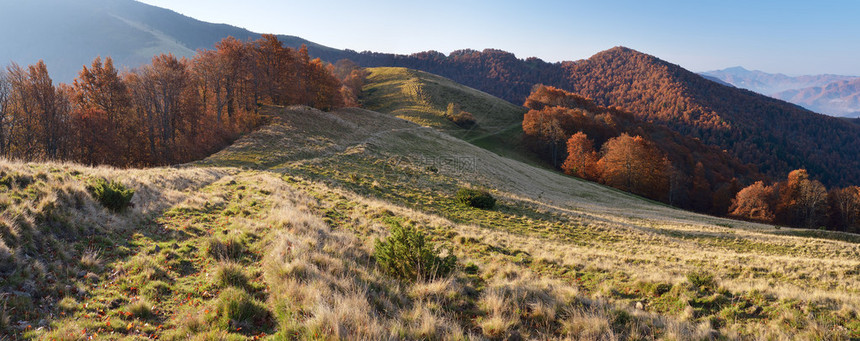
703,178
772,134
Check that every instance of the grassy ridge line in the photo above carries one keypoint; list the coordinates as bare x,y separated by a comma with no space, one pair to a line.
423,98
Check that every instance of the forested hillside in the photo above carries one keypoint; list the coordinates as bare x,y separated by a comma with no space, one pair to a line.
169,111
774,135
616,148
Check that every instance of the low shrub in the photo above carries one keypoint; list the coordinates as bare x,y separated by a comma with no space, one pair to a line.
660,288
464,120
702,279
406,255
471,268
111,194
476,198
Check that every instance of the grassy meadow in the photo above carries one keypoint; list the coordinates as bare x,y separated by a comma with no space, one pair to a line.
423,98
273,238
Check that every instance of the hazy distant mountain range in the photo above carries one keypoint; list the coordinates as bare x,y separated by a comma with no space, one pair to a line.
840,98
834,95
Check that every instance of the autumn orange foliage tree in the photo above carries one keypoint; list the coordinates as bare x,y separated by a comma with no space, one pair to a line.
634,164
635,156
754,202
581,158
102,115
800,202
171,110
353,78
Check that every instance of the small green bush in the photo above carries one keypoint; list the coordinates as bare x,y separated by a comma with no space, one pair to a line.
701,279
6,180
476,198
405,255
112,195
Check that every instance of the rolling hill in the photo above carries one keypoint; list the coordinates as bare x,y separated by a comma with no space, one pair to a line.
131,32
273,237
423,98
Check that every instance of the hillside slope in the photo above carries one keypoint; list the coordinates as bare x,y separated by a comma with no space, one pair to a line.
273,236
423,98
771,134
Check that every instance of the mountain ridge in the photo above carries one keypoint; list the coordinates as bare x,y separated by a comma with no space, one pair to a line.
776,136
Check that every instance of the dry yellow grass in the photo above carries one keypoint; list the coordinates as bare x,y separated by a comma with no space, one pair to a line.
558,259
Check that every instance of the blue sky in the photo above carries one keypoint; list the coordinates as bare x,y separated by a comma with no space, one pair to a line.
792,37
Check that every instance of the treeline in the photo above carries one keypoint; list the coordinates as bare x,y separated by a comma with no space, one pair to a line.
169,111
801,202
615,148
